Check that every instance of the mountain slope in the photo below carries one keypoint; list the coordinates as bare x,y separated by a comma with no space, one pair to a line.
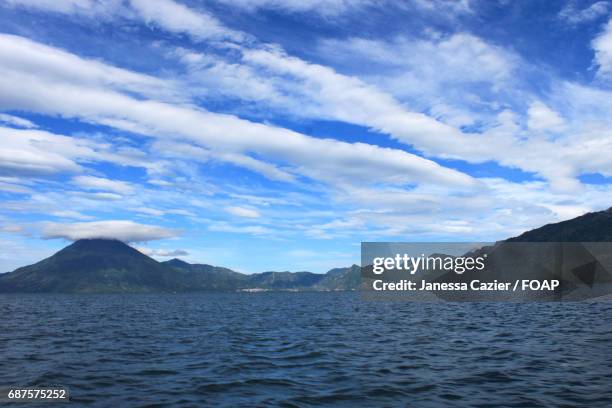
284,280
204,277
102,266
111,266
92,265
340,279
208,277
590,227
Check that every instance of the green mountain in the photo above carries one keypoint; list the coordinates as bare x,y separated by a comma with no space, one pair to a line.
103,266
92,265
110,266
284,280
340,279
203,277
207,277
590,227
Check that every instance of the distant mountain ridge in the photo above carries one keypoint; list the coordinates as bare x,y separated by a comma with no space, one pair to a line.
96,265
111,266
590,227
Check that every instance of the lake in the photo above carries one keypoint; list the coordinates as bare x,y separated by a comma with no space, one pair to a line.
306,349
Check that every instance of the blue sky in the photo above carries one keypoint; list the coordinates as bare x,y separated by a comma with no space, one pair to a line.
277,135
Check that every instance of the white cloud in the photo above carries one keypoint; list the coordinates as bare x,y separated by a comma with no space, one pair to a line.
499,210
177,18
267,75
327,160
573,15
28,152
102,184
339,97
82,7
127,231
257,146
602,45
541,117
426,63
163,253
243,212
11,228
323,7
335,8
156,212
99,196
40,152
268,170
16,121
369,193
149,211
70,214
21,54
168,15
247,229
503,139
189,151
320,92
14,185
448,7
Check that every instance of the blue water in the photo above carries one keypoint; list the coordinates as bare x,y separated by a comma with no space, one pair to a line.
306,349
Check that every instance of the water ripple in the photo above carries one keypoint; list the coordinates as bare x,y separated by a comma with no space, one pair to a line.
307,349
